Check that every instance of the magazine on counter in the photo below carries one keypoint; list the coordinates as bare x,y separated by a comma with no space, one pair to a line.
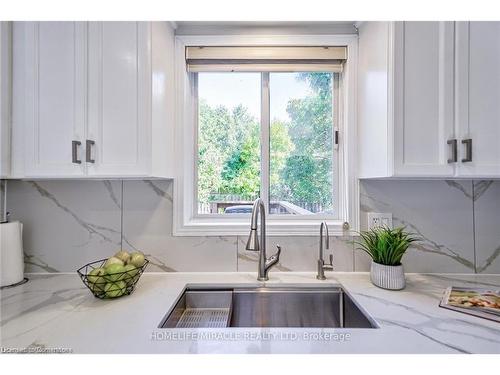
480,302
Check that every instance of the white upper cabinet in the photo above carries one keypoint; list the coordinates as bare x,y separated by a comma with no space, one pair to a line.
119,98
429,99
98,99
423,98
478,98
54,102
405,99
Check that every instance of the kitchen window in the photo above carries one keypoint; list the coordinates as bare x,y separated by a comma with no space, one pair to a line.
264,122
267,134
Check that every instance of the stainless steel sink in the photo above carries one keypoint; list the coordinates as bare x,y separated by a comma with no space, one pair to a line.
231,306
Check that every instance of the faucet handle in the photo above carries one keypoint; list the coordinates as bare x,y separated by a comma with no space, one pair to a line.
277,255
273,259
331,260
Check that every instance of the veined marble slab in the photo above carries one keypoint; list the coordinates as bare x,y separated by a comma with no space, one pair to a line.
56,311
70,223
439,212
66,223
487,226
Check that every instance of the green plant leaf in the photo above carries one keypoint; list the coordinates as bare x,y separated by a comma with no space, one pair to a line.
385,245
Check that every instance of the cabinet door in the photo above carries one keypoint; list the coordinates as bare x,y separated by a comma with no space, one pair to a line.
478,97
55,80
119,98
423,98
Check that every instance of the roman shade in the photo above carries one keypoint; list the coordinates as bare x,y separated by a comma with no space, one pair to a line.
259,59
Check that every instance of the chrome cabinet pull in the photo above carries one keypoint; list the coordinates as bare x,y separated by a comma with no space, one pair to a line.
468,150
454,151
74,152
88,151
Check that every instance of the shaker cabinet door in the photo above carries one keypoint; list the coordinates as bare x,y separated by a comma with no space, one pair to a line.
423,98
54,112
478,98
119,131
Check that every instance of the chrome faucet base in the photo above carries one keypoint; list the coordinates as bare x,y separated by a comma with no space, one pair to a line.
320,277
263,278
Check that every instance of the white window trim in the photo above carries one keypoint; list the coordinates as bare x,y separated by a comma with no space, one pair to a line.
186,223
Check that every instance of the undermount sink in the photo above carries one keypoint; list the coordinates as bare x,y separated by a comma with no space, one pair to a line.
234,306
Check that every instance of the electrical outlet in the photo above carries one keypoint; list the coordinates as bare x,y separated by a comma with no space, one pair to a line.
379,219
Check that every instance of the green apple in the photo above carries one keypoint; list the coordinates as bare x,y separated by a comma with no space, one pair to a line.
137,259
114,290
96,279
123,255
113,260
131,269
131,272
115,272
98,289
95,275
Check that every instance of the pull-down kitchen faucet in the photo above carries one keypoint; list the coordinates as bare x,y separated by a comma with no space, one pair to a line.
253,243
322,267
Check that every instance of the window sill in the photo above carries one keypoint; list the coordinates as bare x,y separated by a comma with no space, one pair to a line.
274,227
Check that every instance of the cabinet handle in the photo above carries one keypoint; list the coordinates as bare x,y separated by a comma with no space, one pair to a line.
468,150
88,151
74,152
454,152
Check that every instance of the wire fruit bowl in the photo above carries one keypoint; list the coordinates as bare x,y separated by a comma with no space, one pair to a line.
112,285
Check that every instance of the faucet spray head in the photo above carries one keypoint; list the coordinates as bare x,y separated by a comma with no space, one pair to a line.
253,241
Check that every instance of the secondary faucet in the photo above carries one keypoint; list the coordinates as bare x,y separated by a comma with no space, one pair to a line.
254,244
322,267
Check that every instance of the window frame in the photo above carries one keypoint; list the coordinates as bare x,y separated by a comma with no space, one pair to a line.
187,221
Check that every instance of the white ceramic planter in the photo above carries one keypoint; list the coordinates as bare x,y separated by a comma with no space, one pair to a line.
387,277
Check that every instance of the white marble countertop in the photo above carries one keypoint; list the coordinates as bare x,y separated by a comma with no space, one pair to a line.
55,311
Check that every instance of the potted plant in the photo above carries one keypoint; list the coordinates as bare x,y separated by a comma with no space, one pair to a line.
386,247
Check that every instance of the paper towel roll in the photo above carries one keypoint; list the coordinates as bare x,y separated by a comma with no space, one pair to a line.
11,250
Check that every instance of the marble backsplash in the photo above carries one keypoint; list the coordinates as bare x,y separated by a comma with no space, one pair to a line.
70,223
